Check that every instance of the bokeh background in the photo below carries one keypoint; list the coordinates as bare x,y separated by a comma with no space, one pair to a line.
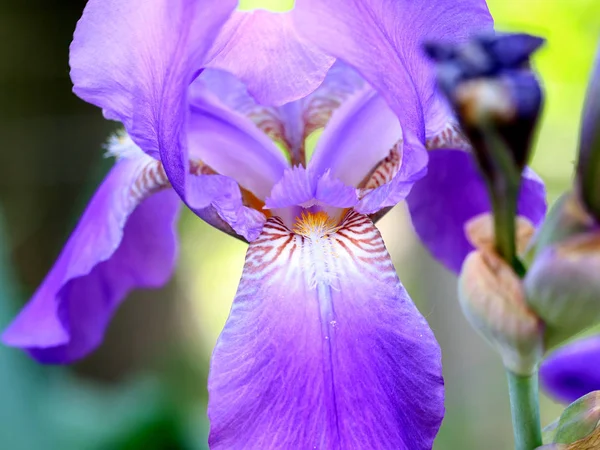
145,388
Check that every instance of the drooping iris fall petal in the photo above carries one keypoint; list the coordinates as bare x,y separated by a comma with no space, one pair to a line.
452,193
323,348
572,371
124,240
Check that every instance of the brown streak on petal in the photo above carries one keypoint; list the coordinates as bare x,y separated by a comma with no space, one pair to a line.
451,136
270,123
198,167
383,172
151,179
317,113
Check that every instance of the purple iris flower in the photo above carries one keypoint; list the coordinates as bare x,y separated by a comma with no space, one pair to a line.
572,371
323,347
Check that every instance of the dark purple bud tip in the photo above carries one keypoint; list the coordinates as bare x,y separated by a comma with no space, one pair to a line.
492,89
511,51
486,55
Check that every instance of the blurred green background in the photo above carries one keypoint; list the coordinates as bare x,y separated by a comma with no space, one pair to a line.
145,388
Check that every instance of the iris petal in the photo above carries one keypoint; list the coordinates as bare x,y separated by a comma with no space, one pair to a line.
340,83
452,193
382,40
324,349
221,195
127,59
232,145
572,371
301,186
358,138
136,59
359,135
266,52
233,93
413,167
118,245
288,124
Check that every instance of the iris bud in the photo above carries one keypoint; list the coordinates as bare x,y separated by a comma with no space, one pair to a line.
588,164
497,99
563,286
493,301
489,84
566,218
578,427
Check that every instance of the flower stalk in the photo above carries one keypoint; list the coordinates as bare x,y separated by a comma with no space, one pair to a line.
523,389
504,191
525,410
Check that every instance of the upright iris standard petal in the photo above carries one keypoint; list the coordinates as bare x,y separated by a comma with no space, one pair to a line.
323,347
452,193
287,67
289,124
572,371
125,239
338,86
382,39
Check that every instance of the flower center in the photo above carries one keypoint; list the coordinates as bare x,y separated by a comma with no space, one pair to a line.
315,225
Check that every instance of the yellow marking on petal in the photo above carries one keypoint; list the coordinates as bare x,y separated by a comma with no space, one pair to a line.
310,142
283,148
315,225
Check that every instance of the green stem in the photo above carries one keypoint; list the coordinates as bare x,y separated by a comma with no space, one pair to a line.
504,206
525,409
504,190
